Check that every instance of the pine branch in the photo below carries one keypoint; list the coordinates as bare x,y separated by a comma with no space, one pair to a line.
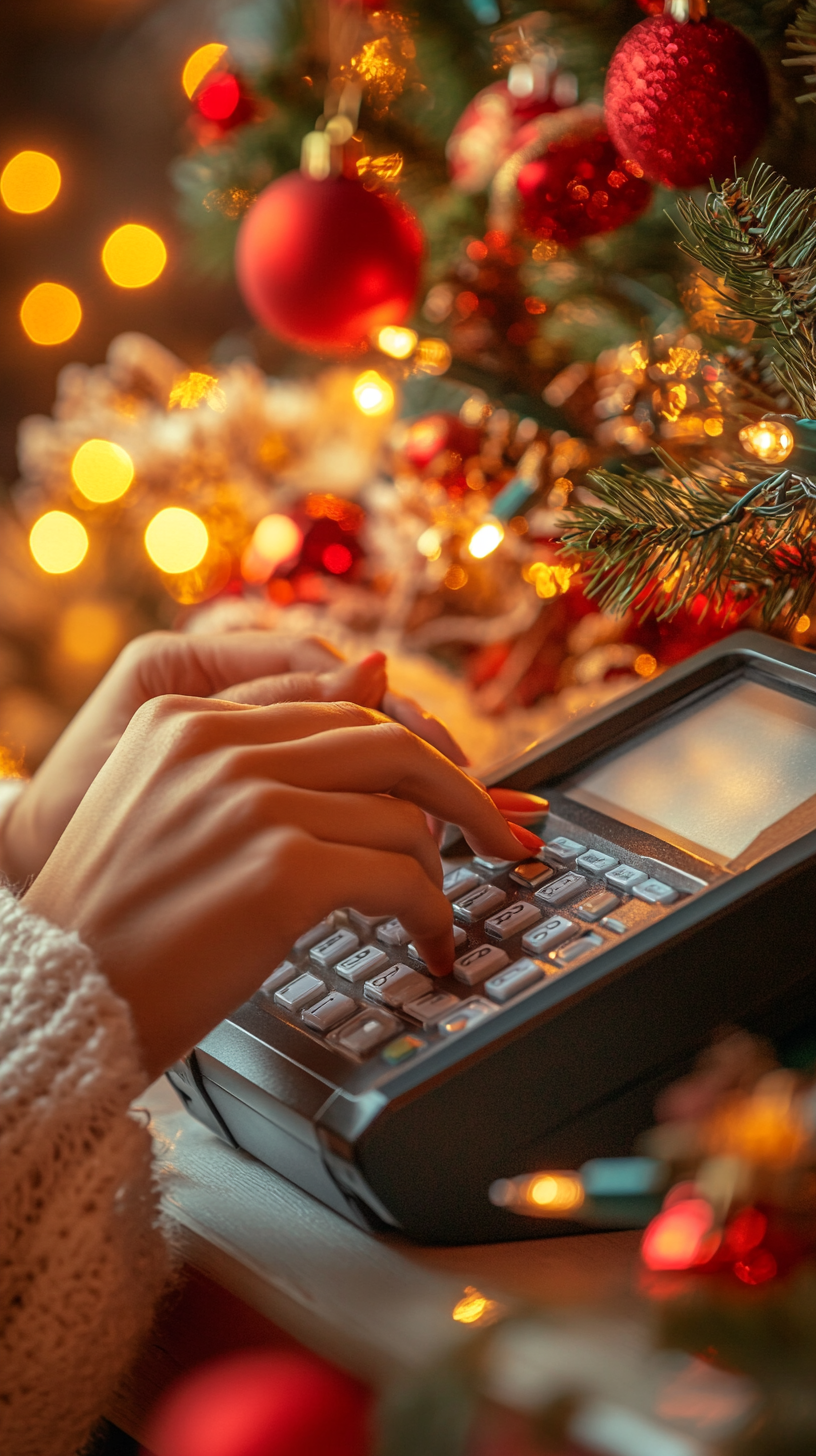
801,37
655,541
757,235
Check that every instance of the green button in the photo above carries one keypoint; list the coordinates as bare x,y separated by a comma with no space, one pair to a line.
403,1048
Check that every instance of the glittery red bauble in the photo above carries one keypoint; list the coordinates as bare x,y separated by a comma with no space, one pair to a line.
325,264
685,101
487,131
579,187
262,1403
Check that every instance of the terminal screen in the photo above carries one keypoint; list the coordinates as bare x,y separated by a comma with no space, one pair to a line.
714,778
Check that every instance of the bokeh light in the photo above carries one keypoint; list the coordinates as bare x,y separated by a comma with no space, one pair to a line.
199,65
90,633
276,539
373,395
474,1308
219,97
485,539
770,440
58,542
337,558
176,540
679,1236
101,470
432,356
133,256
50,313
397,343
30,182
556,1192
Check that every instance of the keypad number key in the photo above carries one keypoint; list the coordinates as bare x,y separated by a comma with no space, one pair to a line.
478,903
563,851
544,937
431,1008
458,881
654,892
597,905
480,963
566,888
515,979
396,985
302,992
624,878
328,952
328,1013
595,862
362,964
512,919
392,933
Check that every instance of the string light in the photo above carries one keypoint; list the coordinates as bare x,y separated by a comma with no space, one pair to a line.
398,343
58,542
549,579
30,182
770,440
50,313
474,1308
432,356
373,395
102,471
199,65
134,256
176,540
485,539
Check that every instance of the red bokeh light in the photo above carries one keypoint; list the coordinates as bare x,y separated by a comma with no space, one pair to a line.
744,1232
337,558
680,1236
757,1268
219,97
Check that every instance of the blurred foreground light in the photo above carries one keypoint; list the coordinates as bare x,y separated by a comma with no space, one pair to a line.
680,1236
199,65
337,558
90,633
58,542
30,182
101,470
176,540
645,665
474,1308
134,256
485,539
219,97
398,343
275,539
430,544
373,395
539,1194
803,624
195,388
770,440
50,313
432,356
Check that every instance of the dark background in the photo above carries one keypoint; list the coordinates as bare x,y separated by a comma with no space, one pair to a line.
97,85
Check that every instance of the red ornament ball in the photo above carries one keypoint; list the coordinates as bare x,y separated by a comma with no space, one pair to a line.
262,1403
325,264
579,187
487,132
685,101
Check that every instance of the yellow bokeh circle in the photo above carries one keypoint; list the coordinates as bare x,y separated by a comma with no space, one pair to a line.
134,256
30,182
101,470
176,540
50,313
199,65
58,542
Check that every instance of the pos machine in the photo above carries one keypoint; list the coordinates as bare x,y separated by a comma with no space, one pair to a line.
675,893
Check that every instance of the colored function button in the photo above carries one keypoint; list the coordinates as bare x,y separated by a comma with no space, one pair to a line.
329,1012
595,862
392,933
654,892
401,1049
624,877
459,939
281,976
597,905
561,890
551,933
300,993
430,1009
311,937
459,881
469,1014
366,1032
512,919
362,964
577,949
478,903
396,985
532,875
328,952
563,851
480,963
515,979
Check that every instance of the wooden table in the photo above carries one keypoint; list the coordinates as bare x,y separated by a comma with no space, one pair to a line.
266,1264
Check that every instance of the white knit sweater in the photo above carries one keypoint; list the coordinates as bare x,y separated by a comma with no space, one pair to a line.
82,1254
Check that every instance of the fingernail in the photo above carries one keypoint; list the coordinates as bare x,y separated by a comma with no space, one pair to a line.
525,837
439,953
374,659
518,799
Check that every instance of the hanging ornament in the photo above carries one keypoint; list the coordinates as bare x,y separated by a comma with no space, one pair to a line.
580,186
488,129
686,99
324,263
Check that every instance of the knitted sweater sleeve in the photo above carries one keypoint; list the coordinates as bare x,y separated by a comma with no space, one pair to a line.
82,1254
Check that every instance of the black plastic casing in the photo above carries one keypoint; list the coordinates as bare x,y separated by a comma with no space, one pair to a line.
567,1073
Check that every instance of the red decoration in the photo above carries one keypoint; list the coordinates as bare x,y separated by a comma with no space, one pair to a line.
324,264
685,100
487,132
224,102
652,7
262,1404
579,187
428,435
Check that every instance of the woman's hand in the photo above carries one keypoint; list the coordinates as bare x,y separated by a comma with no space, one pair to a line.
215,834
246,667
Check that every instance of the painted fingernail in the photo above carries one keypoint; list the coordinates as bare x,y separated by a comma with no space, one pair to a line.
510,799
525,837
374,659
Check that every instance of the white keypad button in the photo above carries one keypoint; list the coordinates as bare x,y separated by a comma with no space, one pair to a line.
476,965
478,903
515,979
329,1012
597,905
362,964
328,952
495,866
512,919
281,976
367,1031
567,888
551,933
624,878
596,863
392,933
577,949
459,939
396,985
468,1014
563,851
300,993
311,937
431,1008
654,892
457,882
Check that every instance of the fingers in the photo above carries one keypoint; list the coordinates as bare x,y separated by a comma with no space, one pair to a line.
170,662
425,725
520,807
361,682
